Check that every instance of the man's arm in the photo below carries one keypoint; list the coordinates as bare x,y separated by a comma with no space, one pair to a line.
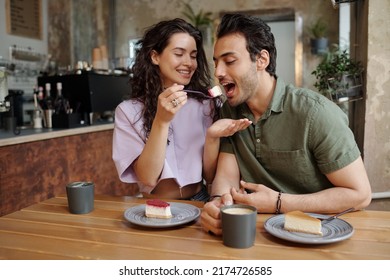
351,189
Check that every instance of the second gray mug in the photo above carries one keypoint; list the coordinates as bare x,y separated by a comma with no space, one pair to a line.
238,225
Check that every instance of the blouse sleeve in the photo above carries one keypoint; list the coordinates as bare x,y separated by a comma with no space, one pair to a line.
128,142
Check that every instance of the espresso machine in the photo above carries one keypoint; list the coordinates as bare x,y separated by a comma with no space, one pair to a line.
8,102
89,93
4,104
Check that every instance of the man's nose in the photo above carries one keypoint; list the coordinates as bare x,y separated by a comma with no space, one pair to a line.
219,71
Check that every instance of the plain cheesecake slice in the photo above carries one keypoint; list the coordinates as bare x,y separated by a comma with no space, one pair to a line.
156,208
301,222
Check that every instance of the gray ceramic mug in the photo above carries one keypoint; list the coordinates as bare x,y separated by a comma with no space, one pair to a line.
80,197
238,225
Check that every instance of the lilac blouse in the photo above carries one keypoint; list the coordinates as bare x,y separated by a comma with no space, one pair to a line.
184,153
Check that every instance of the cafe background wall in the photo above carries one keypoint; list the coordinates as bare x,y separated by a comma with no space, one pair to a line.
8,40
377,125
79,26
75,27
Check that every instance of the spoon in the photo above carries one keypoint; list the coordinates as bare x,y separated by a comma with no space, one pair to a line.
327,220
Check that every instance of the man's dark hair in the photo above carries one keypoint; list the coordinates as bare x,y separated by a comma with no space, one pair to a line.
257,33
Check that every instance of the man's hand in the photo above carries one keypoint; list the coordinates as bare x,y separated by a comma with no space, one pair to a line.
227,127
262,197
210,218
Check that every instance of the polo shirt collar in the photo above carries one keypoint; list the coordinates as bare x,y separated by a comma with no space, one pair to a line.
276,104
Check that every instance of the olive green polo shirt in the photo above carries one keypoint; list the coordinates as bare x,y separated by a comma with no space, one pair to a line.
301,136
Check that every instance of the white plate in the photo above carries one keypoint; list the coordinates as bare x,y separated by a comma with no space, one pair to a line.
333,231
182,213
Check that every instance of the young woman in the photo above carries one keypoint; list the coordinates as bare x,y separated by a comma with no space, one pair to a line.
164,139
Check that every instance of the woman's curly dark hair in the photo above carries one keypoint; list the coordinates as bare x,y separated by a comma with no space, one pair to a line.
146,80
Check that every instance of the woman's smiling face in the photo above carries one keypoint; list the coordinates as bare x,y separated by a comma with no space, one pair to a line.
177,62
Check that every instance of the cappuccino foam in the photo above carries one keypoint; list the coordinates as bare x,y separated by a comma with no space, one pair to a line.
238,211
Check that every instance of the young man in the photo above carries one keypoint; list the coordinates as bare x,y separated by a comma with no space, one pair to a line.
299,152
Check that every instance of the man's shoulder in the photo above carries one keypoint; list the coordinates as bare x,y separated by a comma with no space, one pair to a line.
306,98
310,104
305,94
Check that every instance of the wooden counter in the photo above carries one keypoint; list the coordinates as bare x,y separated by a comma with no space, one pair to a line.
36,167
30,135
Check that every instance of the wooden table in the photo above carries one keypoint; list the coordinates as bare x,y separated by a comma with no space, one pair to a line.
48,231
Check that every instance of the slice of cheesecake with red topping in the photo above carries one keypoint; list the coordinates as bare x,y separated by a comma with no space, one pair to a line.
215,91
156,208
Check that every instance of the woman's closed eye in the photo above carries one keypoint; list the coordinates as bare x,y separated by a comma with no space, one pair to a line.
182,54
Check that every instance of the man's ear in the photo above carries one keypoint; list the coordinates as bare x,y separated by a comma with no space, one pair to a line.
154,57
262,59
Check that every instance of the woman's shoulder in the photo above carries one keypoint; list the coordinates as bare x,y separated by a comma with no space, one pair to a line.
130,104
130,107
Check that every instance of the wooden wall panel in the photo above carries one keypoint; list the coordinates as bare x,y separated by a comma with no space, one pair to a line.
32,172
